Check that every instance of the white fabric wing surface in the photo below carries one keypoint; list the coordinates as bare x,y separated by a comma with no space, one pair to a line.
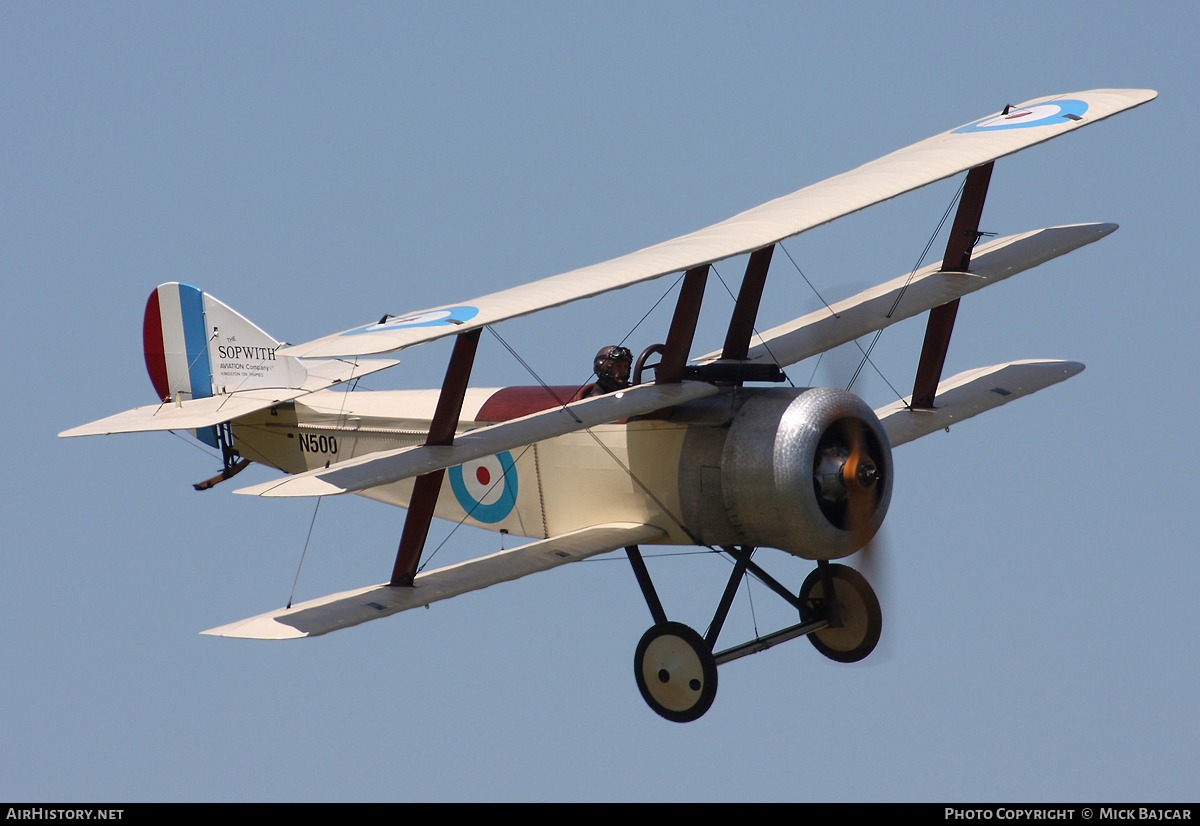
902,171
325,614
907,296
971,393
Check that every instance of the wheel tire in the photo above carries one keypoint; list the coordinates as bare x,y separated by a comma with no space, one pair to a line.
676,672
862,620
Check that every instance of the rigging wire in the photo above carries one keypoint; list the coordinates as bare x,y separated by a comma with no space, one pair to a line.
900,295
303,553
198,445
603,446
341,421
707,550
820,357
533,373
750,598
652,309
761,340
467,515
806,281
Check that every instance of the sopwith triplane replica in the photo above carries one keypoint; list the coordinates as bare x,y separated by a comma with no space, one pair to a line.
708,451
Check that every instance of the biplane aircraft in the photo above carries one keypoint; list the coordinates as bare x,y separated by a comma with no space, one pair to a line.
707,452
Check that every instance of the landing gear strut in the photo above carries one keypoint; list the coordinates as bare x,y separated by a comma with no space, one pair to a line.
676,668
233,464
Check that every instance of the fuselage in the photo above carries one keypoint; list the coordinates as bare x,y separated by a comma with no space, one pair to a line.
545,489
731,469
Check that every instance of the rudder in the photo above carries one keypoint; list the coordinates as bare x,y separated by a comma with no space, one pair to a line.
196,346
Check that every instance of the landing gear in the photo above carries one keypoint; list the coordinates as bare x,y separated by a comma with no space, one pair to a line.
856,616
676,672
676,668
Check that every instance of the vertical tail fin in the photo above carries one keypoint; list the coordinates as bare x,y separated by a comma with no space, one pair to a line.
196,346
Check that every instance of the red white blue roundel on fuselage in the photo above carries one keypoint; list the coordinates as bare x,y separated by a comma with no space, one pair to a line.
1040,114
486,488
450,316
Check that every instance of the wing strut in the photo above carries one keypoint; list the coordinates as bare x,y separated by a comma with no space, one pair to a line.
963,236
441,432
683,327
745,312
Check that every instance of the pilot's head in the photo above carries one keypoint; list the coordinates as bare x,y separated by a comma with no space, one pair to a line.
612,366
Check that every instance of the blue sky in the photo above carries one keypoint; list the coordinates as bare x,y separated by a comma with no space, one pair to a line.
315,166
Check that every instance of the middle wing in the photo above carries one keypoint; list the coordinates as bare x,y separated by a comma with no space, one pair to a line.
907,296
393,465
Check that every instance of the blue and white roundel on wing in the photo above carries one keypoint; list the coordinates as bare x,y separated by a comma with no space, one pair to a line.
1041,114
432,318
486,488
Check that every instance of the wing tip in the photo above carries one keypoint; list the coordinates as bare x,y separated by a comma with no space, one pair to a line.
256,628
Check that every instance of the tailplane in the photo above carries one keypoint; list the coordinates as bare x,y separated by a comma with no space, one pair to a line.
209,365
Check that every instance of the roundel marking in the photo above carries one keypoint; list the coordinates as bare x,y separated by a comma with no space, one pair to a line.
486,488
1042,114
450,316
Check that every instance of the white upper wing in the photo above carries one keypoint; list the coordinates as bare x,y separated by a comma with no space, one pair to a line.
915,166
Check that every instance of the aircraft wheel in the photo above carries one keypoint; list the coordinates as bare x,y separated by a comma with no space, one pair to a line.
676,672
862,620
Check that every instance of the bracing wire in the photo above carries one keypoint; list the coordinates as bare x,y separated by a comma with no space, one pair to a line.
652,309
467,515
598,441
806,281
296,581
761,340
195,444
900,295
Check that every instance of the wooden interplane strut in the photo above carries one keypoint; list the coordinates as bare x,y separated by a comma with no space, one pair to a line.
683,327
963,235
745,312
441,432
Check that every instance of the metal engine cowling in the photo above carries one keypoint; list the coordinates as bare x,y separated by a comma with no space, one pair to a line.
807,471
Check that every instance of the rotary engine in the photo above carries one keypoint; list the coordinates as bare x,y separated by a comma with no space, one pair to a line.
808,471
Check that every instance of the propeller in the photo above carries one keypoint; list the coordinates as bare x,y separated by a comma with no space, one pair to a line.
862,478
848,477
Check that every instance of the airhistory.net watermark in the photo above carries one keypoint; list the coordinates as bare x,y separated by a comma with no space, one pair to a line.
42,813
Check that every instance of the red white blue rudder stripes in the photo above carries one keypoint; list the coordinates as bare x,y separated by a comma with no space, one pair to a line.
196,347
176,342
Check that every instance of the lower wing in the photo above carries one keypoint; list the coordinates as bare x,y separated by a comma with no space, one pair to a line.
336,611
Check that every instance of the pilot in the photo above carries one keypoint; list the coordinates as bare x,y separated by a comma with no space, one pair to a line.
612,366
